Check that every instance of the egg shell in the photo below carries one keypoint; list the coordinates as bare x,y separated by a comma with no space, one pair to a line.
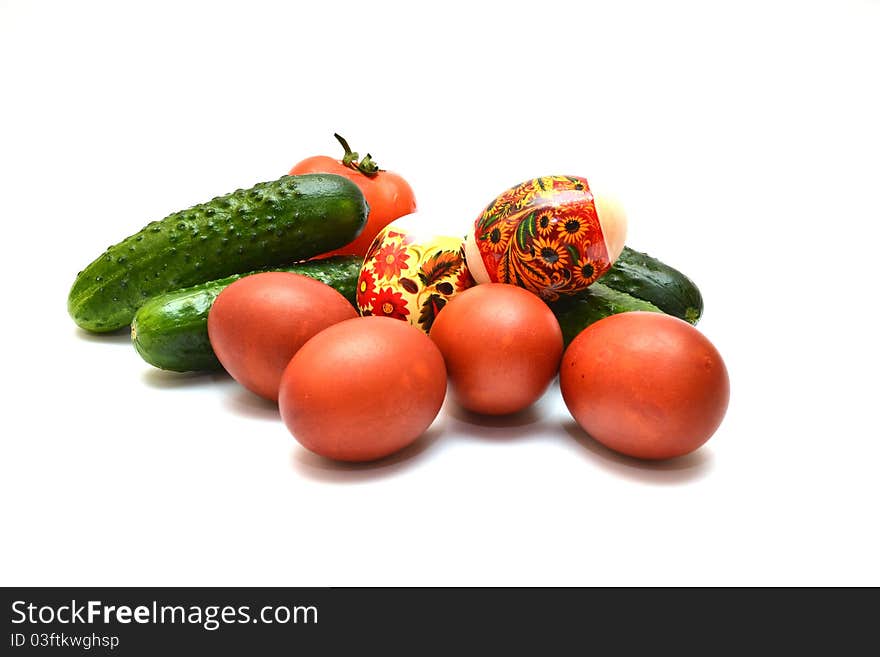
645,384
259,322
501,346
363,389
546,235
411,272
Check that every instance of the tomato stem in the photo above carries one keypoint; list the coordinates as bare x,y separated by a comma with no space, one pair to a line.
350,159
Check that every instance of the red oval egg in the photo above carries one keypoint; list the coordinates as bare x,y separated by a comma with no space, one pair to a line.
645,384
259,322
501,345
363,389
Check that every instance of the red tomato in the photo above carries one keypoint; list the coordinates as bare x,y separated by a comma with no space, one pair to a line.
645,384
259,322
363,389
388,195
501,345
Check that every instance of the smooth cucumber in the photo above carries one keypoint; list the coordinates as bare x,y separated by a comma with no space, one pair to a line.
170,331
596,302
635,282
269,225
646,278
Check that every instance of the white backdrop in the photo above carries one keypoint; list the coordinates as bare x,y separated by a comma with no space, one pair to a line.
744,139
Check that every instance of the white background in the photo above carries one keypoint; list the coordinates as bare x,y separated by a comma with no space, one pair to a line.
744,139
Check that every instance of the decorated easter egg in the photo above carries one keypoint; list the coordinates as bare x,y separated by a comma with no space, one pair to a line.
551,235
410,272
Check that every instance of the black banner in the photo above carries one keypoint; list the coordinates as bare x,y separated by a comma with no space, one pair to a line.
171,621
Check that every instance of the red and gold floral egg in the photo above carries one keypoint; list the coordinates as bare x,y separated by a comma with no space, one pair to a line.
550,235
410,272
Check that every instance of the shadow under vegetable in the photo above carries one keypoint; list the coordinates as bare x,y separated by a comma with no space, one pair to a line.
323,469
681,470
118,337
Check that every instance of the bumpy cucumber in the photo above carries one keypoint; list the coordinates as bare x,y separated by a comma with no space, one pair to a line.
170,331
597,302
269,225
646,278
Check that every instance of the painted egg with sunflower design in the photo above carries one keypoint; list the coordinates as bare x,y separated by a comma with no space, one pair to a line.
410,272
552,235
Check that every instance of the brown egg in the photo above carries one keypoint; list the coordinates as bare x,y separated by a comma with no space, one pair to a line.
502,346
363,389
645,384
259,322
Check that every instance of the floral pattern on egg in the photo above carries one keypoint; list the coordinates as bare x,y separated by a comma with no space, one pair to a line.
410,273
544,235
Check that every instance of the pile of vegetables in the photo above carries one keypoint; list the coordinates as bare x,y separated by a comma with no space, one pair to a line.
324,286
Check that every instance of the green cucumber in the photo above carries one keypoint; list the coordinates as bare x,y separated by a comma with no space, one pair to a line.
597,302
268,225
646,278
170,331
635,282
